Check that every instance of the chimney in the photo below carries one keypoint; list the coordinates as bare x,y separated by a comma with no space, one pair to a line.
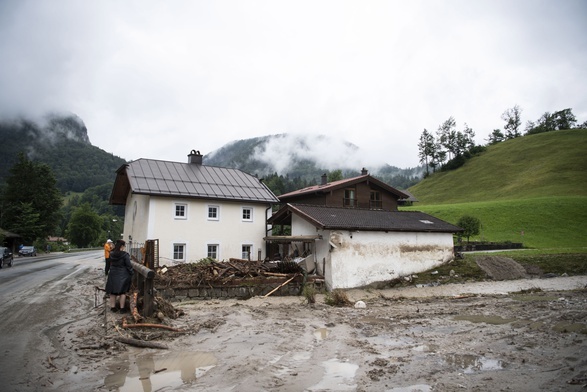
364,172
324,179
195,157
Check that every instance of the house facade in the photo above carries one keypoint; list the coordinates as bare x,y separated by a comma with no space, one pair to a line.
193,210
363,240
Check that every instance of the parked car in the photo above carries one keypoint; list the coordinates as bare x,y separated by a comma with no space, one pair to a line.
5,257
27,251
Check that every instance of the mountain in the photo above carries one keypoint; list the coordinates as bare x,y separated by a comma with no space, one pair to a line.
542,165
306,157
61,142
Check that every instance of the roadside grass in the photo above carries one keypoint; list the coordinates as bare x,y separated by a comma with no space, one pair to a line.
540,223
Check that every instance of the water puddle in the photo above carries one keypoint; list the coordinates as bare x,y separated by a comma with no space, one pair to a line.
426,348
561,326
389,341
339,376
321,333
533,298
564,326
495,320
151,372
411,388
469,363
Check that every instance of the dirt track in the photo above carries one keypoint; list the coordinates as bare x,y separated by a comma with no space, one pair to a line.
446,338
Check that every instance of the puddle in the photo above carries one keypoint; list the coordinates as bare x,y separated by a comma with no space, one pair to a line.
495,320
151,372
530,324
469,363
426,348
321,333
388,341
411,388
564,326
339,376
533,298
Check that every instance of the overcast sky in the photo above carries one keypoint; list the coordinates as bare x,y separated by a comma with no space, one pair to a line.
155,79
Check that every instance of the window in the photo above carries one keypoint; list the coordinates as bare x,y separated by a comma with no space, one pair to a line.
349,198
375,201
181,211
247,214
213,213
213,251
246,252
179,252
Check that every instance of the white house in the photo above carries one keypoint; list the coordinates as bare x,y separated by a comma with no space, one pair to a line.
357,234
193,210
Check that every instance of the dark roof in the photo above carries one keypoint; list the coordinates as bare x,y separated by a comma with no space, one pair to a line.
187,180
410,197
339,218
331,186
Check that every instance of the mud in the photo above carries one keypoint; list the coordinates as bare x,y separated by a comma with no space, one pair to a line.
485,336
516,335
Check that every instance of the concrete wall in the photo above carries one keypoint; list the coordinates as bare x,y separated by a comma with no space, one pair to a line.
241,292
362,258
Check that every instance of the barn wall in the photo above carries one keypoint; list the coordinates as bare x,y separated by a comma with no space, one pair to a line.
355,259
362,258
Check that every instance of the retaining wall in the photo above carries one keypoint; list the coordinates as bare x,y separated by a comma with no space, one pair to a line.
239,290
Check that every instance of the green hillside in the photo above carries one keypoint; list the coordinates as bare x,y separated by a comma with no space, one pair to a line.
547,164
531,189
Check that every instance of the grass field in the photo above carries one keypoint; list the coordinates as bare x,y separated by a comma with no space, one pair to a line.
532,189
547,164
542,223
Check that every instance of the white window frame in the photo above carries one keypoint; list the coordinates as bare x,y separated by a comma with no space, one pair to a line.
217,251
210,207
185,210
250,218
183,251
249,254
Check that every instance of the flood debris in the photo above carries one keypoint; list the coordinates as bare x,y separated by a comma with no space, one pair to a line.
140,343
214,272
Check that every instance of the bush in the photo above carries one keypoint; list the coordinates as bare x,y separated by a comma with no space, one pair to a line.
309,293
337,298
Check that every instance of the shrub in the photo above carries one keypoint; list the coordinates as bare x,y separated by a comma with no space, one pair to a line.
337,298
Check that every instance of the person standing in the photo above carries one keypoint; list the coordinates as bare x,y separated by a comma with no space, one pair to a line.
108,246
119,277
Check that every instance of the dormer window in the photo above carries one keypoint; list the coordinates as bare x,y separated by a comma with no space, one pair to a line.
375,202
350,199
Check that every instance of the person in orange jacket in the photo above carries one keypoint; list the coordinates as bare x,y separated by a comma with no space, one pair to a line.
108,246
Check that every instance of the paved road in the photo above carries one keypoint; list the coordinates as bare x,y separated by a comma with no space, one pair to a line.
37,299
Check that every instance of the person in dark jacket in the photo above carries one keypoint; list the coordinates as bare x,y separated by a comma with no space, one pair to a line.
119,276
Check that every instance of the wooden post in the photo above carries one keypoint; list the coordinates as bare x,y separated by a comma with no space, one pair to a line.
144,279
148,298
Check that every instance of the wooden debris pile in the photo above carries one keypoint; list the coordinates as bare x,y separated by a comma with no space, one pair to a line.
197,274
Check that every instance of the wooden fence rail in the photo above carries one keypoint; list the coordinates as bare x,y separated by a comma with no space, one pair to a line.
143,280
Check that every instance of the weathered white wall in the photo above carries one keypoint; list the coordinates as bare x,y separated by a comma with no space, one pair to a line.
136,217
361,258
155,219
355,259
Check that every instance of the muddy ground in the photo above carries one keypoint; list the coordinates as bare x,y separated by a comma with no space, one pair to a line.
521,335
